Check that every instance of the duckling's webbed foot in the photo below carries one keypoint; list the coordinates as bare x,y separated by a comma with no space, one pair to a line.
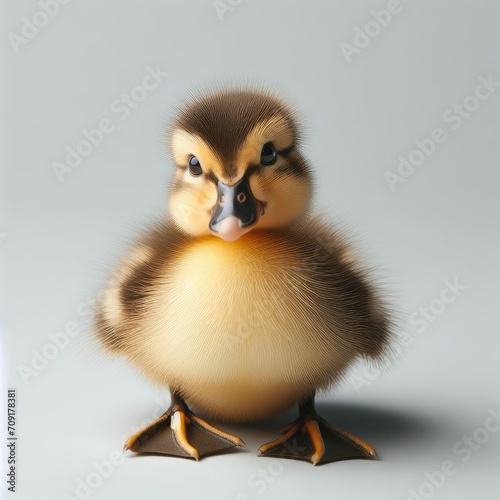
179,432
313,439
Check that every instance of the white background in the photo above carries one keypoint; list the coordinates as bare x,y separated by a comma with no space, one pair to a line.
59,239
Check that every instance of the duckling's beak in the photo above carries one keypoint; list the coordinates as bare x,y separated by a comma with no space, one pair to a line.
236,211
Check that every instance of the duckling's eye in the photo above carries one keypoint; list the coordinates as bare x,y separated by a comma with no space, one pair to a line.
194,166
268,154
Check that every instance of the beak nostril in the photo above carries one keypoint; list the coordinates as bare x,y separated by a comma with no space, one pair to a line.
234,203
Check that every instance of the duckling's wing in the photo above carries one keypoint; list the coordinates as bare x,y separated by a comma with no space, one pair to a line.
128,288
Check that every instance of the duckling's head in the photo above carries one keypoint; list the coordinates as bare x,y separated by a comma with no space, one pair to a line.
238,166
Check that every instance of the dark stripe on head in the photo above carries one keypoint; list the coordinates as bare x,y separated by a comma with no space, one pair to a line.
295,166
212,177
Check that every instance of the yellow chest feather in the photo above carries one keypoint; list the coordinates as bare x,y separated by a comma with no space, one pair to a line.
232,320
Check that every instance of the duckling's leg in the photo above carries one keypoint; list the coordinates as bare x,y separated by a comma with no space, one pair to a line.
181,433
314,439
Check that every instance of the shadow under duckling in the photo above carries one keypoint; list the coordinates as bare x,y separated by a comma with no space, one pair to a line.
242,302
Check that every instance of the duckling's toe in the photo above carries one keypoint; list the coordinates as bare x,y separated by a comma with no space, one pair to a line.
179,432
313,439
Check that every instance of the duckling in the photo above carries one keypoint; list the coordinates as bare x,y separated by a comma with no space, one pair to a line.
242,302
